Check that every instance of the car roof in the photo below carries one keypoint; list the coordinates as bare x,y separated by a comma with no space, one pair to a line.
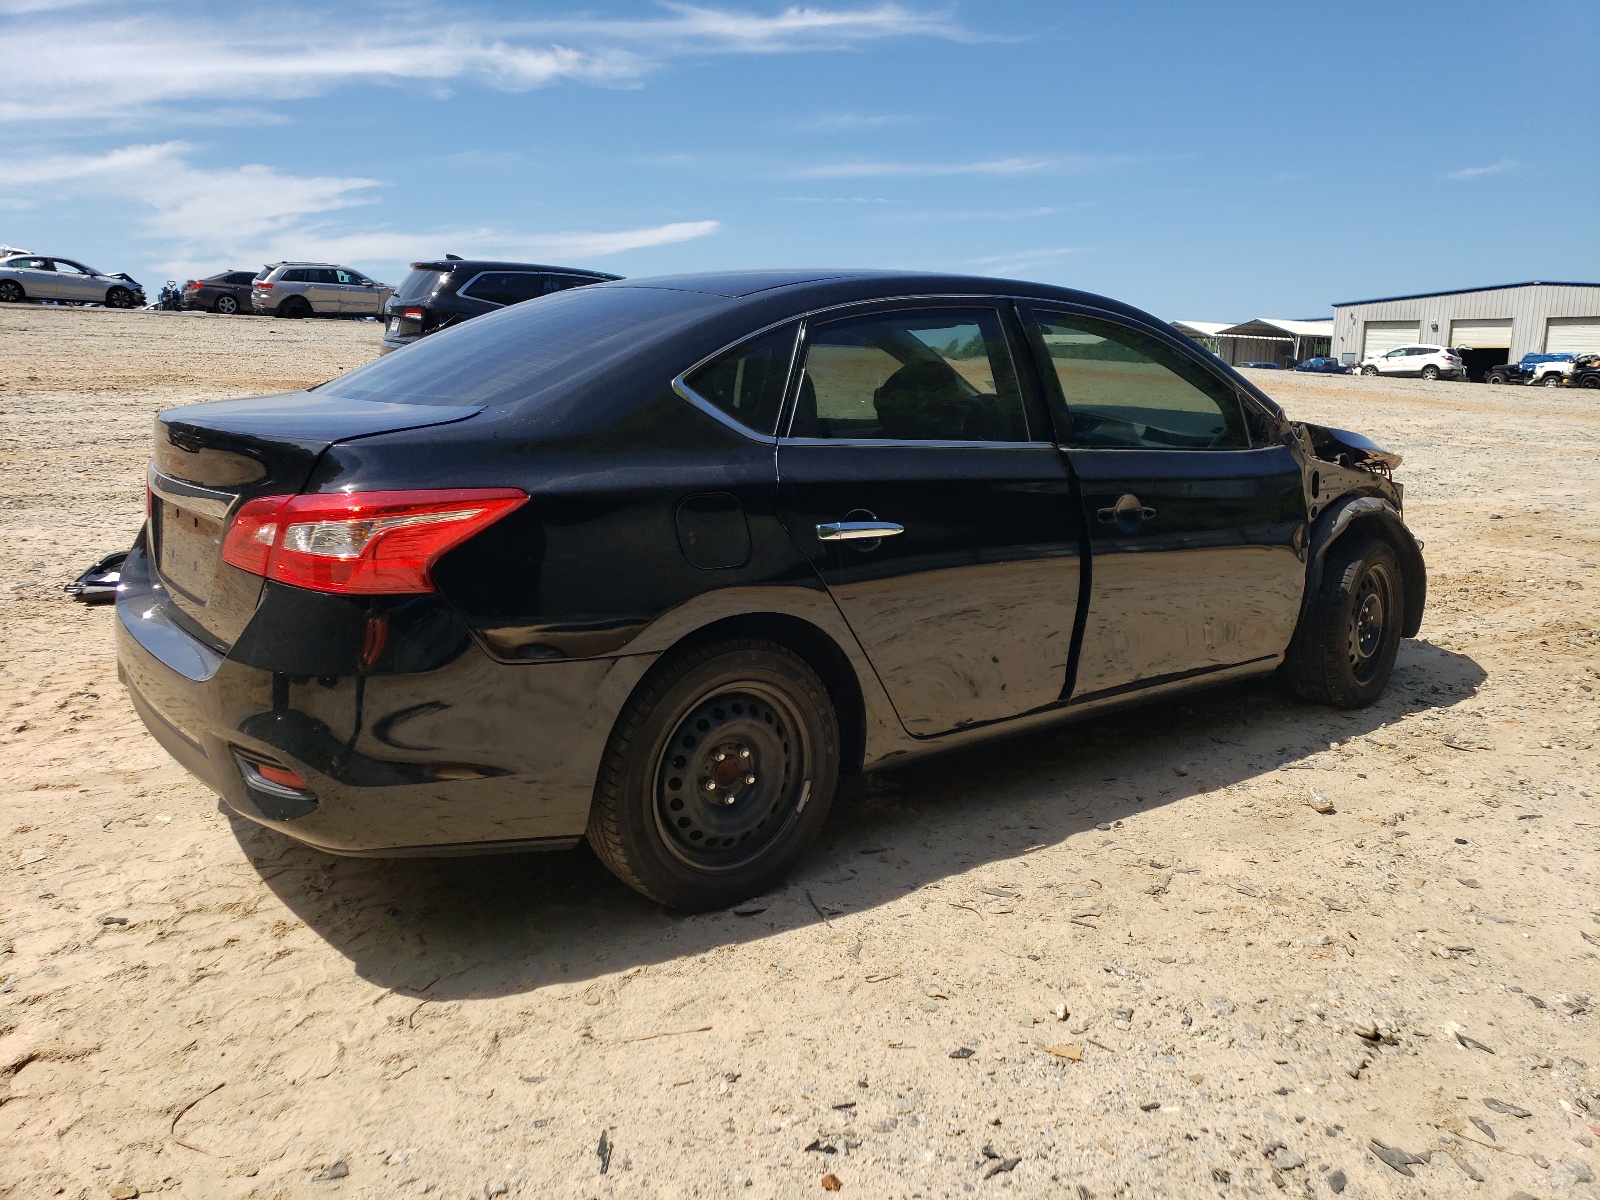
819,287
501,264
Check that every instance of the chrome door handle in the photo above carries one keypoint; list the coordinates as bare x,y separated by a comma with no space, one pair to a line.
1126,511
849,531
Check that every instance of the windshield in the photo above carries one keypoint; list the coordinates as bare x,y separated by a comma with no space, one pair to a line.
418,285
513,353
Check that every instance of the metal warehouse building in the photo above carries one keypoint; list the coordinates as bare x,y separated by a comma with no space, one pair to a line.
1496,324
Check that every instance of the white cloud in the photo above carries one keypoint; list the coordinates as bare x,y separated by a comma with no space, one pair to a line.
219,217
1505,164
1075,164
1022,260
120,67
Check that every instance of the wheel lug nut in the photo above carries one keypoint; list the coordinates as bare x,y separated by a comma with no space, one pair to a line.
718,756
711,785
749,778
744,752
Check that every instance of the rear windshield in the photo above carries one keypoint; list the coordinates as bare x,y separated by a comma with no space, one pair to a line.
510,354
418,285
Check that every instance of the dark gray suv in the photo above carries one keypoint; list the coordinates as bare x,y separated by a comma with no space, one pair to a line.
300,289
446,292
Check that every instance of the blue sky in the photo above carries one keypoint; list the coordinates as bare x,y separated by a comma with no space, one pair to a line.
1211,162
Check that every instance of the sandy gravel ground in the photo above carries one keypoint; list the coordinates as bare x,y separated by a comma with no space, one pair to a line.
1256,994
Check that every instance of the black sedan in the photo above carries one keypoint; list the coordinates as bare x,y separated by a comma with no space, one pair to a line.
227,292
657,562
437,295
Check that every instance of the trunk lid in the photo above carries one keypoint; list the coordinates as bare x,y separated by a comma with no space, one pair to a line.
210,458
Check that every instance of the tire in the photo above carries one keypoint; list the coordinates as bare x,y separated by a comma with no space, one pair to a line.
1493,378
119,297
226,305
11,292
1551,380
1344,651
1589,381
654,823
1369,370
1430,373
294,308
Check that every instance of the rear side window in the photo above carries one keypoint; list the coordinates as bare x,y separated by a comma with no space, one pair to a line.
915,375
418,285
747,381
505,287
297,276
323,275
239,277
509,355
1125,389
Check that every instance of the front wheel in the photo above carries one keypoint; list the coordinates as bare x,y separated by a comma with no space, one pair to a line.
119,297
720,771
1551,381
1590,381
11,292
1344,650
1430,373
1369,370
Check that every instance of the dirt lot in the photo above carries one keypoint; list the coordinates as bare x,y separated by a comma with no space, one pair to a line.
1255,992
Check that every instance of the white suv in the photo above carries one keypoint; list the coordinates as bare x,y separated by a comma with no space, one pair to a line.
1430,362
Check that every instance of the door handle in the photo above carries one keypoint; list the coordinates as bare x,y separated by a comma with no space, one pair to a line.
849,531
1127,511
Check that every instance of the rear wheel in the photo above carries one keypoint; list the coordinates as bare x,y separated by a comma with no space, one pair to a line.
11,292
294,308
119,297
720,771
1430,372
1551,380
226,305
1369,370
1344,650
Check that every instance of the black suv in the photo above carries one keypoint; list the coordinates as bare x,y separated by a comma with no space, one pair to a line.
437,295
227,293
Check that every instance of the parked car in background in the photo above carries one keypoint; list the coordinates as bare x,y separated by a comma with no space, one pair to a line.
1585,372
1261,366
8,251
39,277
227,292
1323,366
657,562
1428,362
1532,368
442,293
300,289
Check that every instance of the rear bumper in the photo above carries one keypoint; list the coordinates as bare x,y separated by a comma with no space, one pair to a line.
472,755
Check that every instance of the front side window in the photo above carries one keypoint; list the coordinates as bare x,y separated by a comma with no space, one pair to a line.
505,287
1126,389
933,374
746,382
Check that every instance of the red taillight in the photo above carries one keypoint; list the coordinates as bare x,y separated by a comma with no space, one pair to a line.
412,314
281,776
371,543
264,286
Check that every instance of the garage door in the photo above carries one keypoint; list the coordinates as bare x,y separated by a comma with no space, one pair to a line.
1481,335
1380,337
1572,335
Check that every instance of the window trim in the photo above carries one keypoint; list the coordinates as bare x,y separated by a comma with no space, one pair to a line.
462,290
695,398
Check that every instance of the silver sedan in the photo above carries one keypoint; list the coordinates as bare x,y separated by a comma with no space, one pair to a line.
40,277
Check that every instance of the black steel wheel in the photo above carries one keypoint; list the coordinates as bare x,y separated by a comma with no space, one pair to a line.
11,292
721,769
119,297
1344,650
226,305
